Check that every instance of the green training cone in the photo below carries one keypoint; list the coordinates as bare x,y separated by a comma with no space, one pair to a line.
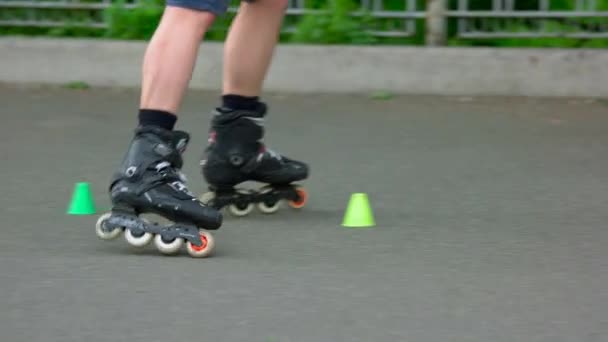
82,201
359,212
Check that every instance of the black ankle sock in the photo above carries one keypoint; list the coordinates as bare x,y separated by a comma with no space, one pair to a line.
238,102
151,117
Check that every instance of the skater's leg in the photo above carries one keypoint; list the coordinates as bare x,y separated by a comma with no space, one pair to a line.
170,57
236,152
250,46
149,179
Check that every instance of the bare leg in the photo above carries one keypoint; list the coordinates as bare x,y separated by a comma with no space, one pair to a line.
170,58
148,179
236,152
250,46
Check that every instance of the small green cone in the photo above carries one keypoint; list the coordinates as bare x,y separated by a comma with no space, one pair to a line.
359,212
82,200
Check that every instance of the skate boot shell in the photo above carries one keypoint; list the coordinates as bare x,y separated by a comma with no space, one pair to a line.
236,154
149,180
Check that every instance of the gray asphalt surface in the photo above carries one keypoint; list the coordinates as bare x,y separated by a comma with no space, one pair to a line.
491,225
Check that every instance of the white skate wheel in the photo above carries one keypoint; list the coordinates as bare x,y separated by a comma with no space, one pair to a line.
207,197
203,250
138,241
170,247
265,208
103,234
236,211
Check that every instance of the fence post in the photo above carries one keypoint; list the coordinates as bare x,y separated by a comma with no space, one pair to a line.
436,23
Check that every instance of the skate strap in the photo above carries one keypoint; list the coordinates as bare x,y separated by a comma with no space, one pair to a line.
169,154
165,174
252,163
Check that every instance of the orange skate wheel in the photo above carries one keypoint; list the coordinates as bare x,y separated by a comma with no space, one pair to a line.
302,201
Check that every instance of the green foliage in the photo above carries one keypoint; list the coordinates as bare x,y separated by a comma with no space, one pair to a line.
77,85
138,23
334,25
330,22
381,95
75,20
559,27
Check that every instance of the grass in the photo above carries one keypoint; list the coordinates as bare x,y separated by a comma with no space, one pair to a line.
77,85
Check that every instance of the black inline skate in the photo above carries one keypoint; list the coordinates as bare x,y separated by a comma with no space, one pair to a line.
236,154
149,181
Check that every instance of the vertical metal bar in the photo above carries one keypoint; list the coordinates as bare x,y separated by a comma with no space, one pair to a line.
497,5
435,23
462,6
543,7
410,24
510,6
31,14
376,5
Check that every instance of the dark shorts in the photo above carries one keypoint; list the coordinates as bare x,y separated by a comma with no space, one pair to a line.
217,7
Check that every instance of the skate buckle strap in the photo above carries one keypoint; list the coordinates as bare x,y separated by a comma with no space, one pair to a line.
166,174
252,163
170,154
273,154
179,179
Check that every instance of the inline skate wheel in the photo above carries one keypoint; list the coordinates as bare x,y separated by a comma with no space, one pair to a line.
240,209
203,250
268,207
237,210
168,248
302,201
207,197
102,234
138,240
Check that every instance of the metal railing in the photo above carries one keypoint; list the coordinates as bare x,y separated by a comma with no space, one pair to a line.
56,13
88,13
503,19
396,23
